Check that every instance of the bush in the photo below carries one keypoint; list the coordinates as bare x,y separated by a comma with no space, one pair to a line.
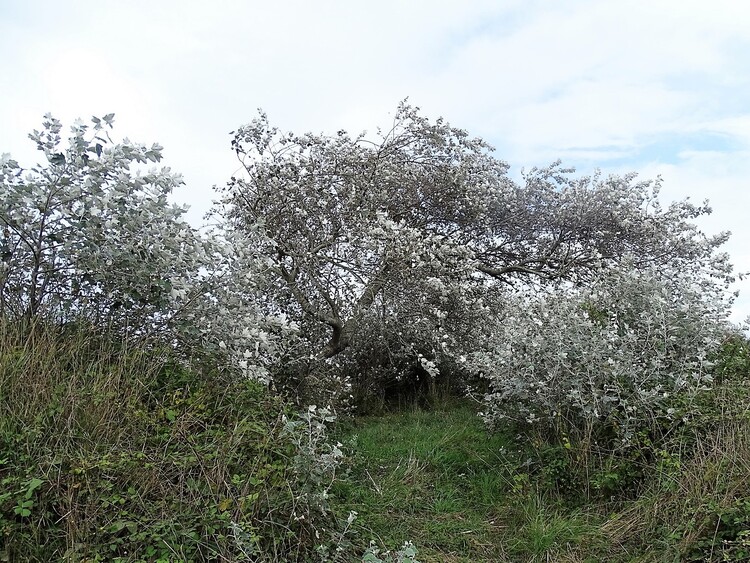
109,452
698,496
90,234
603,363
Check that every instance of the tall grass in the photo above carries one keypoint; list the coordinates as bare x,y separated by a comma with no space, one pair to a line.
697,505
113,451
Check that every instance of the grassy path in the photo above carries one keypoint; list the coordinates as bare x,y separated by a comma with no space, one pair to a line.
439,480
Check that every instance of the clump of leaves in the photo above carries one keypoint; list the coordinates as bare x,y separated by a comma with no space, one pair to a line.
406,554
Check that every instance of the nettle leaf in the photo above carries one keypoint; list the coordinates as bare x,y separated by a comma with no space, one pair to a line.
33,485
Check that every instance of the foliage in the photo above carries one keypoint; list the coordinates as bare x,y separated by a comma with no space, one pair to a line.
316,460
113,452
600,363
420,226
226,322
90,235
406,554
696,502
346,218
87,234
733,358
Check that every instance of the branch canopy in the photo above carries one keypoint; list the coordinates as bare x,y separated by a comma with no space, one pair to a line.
350,222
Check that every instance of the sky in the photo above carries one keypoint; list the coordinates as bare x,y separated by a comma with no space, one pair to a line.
660,87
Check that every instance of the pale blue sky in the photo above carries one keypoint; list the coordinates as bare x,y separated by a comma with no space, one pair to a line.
660,87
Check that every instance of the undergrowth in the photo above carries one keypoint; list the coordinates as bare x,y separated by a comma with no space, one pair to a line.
115,452
439,479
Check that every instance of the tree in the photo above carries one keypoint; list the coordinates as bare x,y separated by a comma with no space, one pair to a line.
90,234
85,234
352,224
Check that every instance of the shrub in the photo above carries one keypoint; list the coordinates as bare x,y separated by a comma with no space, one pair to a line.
89,234
697,498
601,363
117,453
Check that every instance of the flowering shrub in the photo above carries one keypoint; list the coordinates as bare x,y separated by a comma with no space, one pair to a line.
375,244
90,232
604,360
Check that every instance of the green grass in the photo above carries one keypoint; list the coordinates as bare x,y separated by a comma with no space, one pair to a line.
440,480
460,494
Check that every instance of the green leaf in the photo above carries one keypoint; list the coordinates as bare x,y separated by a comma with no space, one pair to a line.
33,485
